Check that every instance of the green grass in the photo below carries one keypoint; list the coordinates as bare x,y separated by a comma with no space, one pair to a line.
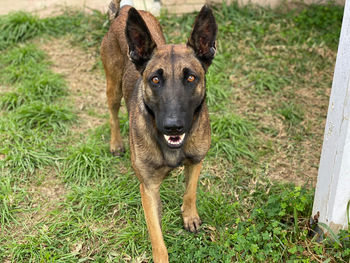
25,150
291,113
22,63
40,116
18,27
27,67
87,162
64,198
231,137
47,87
11,100
31,120
10,198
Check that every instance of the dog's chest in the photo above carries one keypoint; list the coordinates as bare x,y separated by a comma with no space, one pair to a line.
173,158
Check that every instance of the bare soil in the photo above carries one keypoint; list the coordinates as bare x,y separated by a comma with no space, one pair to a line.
45,8
85,81
292,161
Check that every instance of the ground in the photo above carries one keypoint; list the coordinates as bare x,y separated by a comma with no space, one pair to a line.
76,65
87,86
65,198
51,7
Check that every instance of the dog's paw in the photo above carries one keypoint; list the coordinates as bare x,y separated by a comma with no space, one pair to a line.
117,151
160,254
192,223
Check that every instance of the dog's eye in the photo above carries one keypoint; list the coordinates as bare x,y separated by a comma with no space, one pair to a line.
155,80
191,78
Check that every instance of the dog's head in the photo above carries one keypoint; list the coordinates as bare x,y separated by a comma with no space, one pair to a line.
173,76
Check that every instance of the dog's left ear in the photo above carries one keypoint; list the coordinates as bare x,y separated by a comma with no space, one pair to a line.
203,36
139,39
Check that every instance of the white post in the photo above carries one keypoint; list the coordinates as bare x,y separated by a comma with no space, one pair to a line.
333,181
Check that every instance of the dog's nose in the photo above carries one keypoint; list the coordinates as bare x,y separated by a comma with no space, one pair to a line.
173,126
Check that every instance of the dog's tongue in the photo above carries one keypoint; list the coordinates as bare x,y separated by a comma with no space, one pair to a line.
175,138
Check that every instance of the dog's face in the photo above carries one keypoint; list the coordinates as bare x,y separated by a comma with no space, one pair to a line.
173,76
173,91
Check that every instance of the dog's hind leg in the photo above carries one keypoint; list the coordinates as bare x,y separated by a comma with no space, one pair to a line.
114,95
113,64
190,216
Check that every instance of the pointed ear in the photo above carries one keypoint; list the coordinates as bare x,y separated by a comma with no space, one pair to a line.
203,36
139,39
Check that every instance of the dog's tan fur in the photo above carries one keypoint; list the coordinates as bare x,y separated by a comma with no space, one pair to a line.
150,163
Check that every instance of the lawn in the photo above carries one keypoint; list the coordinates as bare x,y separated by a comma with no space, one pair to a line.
65,198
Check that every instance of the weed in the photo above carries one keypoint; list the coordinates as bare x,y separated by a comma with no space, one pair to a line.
231,137
22,63
292,114
38,115
46,87
11,100
269,226
88,161
217,82
323,21
91,30
267,81
67,23
10,197
26,151
18,27
23,54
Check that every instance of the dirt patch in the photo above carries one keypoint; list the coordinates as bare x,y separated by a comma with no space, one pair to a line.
49,191
48,194
44,194
45,8
85,81
290,160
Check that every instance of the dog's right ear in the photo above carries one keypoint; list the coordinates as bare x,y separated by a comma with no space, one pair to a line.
139,39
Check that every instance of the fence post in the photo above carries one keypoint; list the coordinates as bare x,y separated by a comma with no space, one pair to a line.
333,182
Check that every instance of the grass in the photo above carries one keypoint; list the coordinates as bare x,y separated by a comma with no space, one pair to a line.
87,162
43,116
10,198
64,198
18,27
291,113
231,137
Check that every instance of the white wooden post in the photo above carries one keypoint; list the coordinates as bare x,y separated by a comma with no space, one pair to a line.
333,181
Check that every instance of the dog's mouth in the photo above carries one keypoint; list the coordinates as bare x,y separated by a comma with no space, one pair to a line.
174,141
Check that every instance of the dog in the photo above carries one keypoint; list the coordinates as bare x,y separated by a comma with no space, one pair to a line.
164,89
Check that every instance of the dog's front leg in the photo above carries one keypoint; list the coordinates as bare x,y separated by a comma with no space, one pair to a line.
190,216
151,205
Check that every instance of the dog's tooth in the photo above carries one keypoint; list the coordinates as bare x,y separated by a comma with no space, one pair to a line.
179,140
182,136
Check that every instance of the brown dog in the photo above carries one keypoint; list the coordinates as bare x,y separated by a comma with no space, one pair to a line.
164,89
